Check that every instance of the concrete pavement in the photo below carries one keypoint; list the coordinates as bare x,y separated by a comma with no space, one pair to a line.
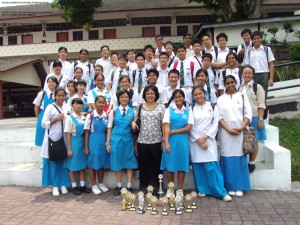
34,206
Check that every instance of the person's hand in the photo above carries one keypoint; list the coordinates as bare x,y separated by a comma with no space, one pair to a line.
201,140
260,124
70,153
108,148
238,129
86,151
167,148
233,132
134,125
61,116
271,82
204,146
135,150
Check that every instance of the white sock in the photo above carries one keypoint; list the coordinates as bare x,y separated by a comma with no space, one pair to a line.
94,186
129,185
82,183
100,184
74,184
251,162
119,184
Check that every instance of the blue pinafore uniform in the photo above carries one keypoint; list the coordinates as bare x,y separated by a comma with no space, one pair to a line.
85,107
178,158
78,160
40,131
98,157
107,96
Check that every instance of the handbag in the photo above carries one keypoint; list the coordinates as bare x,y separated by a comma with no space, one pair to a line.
249,136
57,149
138,121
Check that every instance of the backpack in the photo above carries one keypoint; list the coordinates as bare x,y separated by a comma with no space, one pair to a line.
192,65
266,49
216,51
240,75
88,65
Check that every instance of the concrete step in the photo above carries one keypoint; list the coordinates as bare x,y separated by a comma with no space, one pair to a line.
18,152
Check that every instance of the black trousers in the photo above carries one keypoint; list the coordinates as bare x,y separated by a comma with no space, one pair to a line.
149,158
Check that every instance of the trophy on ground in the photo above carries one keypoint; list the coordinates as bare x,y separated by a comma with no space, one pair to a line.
189,200
178,210
141,199
160,190
132,200
172,202
123,203
153,203
148,197
194,195
182,200
164,201
150,189
128,194
171,187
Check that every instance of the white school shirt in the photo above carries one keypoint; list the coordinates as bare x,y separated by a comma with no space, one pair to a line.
55,130
213,80
148,65
63,80
131,66
65,70
190,52
38,99
230,109
212,52
87,124
87,76
258,59
69,103
115,75
163,77
135,99
162,95
205,123
247,48
106,64
169,91
222,58
91,98
166,118
235,73
70,126
157,52
197,60
136,79
213,97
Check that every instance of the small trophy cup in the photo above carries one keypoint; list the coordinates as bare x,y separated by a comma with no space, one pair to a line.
189,200
153,203
194,195
150,189
128,194
172,202
132,200
171,187
141,203
182,200
148,197
160,190
164,201
178,210
123,203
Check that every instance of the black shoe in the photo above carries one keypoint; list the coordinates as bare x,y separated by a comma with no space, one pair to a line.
251,168
86,190
117,191
129,189
76,191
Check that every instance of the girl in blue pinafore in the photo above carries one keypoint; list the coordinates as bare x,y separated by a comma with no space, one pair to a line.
81,86
120,141
43,99
95,138
71,87
76,161
178,122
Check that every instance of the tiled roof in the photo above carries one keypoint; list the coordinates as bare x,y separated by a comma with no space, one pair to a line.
12,62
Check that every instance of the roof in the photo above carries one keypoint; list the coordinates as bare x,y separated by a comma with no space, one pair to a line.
13,62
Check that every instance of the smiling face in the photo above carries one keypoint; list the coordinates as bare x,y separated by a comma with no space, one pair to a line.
51,84
81,88
178,99
100,103
98,70
78,73
99,81
246,38
173,79
159,42
181,53
71,89
83,56
231,60
60,97
124,99
257,41
247,74
169,48
152,78
131,56
150,96
57,70
77,107
230,85
105,53
199,96
125,83
201,78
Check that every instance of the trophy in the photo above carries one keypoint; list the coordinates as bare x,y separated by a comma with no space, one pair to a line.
153,203
148,197
171,187
123,193
150,189
182,199
172,202
189,200
128,194
178,204
141,203
132,200
194,195
164,201
160,190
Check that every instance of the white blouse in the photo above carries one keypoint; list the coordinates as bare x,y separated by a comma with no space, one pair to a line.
69,124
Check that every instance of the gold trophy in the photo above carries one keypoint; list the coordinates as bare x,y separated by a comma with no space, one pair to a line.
189,200
164,201
172,202
141,199
148,197
171,187
182,200
123,193
178,204
132,200
150,189
128,194
194,195
153,203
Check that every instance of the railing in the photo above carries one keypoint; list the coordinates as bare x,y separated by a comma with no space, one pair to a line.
287,71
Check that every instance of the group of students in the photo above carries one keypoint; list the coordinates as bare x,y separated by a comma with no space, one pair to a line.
185,104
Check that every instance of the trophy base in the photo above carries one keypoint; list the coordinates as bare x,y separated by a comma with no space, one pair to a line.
178,212
189,210
194,207
124,209
132,209
164,213
149,208
172,208
140,211
128,207
182,207
154,212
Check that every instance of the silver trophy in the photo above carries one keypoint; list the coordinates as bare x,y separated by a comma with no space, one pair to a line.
178,210
141,199
160,190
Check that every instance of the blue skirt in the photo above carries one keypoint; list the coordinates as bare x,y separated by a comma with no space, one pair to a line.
78,160
261,135
39,131
54,174
236,173
209,179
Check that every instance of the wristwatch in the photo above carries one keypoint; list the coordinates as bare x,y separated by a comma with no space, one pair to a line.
261,119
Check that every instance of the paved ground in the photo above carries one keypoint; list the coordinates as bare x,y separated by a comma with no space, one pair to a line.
28,205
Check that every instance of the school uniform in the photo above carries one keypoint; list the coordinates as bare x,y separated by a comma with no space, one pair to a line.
211,51
247,48
54,174
163,77
131,66
140,79
75,125
190,51
88,71
114,77
95,92
98,157
210,95
42,102
233,161
197,60
65,70
85,107
133,102
221,58
169,91
207,172
122,141
179,157
62,80
213,78
106,64
234,72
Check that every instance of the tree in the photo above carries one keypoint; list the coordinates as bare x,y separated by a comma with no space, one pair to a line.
78,12
230,10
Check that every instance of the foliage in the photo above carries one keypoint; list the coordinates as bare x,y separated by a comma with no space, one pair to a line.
287,72
288,28
297,34
273,30
289,132
295,51
78,12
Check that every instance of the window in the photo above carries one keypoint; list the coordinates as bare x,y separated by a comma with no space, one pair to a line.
148,31
165,31
62,36
181,30
77,36
27,39
1,41
12,40
109,34
94,35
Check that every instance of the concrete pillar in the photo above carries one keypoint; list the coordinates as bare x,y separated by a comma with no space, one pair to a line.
1,100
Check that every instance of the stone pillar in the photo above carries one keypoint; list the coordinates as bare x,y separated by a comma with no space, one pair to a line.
1,100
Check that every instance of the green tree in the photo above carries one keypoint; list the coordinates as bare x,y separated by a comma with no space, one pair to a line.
230,10
78,12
